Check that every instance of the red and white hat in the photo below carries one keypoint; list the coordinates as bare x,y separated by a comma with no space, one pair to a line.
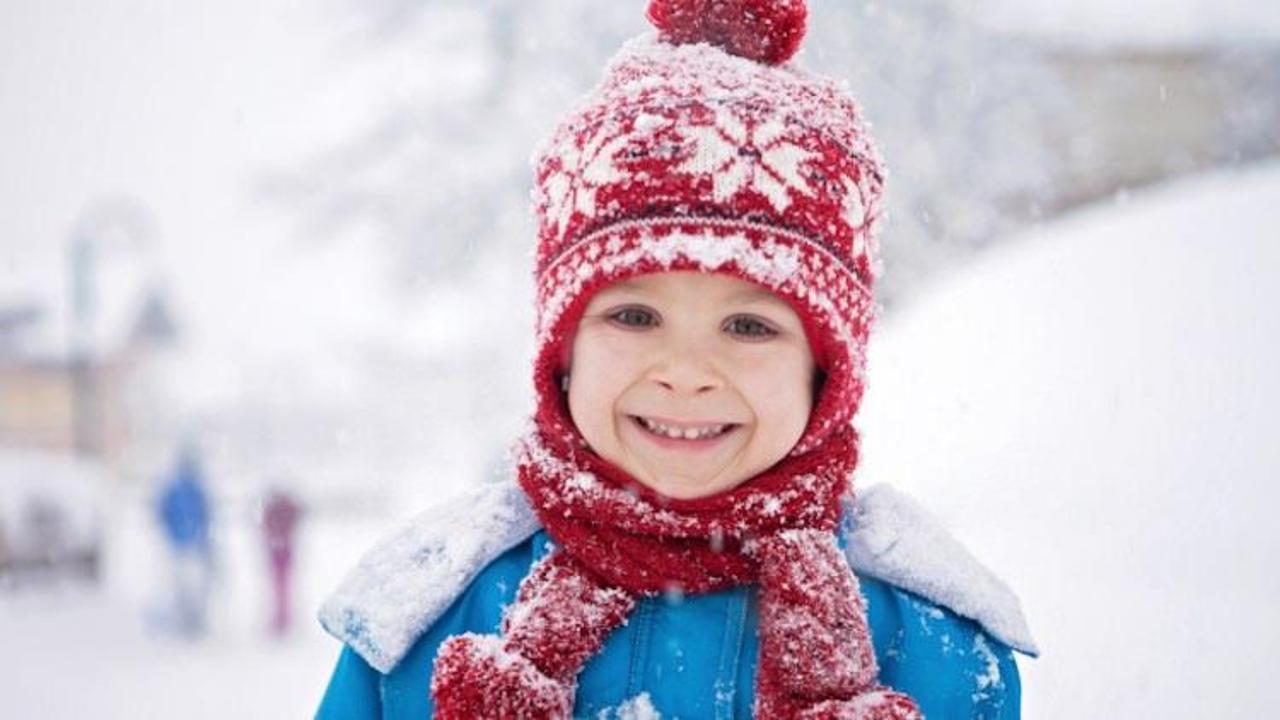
703,148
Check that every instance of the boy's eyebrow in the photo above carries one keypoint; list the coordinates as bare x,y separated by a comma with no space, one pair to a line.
755,294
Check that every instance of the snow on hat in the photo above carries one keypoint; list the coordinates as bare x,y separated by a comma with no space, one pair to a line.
704,149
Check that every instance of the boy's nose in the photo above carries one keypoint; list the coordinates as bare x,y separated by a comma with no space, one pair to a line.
685,374
679,386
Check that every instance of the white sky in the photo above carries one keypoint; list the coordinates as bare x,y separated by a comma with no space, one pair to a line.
180,105
135,97
1140,22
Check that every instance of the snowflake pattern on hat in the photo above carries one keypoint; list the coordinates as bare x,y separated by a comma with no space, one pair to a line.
583,170
738,154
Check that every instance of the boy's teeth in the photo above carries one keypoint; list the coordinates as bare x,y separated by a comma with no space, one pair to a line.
683,433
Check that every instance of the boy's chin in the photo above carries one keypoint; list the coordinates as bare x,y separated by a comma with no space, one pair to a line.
686,488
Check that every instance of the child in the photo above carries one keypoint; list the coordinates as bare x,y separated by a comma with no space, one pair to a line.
680,538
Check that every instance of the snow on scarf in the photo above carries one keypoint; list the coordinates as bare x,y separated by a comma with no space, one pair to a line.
617,540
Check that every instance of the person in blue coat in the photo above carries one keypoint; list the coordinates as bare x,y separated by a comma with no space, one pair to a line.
182,509
682,538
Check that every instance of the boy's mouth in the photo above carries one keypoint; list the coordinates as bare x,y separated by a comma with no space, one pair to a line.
684,433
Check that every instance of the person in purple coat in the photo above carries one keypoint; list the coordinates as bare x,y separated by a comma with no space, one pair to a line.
280,514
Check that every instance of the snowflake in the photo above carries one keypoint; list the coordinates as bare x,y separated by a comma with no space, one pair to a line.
855,213
639,707
583,170
854,210
739,155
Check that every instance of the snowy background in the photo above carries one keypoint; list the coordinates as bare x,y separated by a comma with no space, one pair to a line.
1074,369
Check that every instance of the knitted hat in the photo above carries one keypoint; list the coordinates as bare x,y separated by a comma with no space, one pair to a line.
704,149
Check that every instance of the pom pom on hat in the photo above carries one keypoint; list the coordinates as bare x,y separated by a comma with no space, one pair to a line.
767,31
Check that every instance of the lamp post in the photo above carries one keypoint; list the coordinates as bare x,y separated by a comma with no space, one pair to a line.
116,221
83,396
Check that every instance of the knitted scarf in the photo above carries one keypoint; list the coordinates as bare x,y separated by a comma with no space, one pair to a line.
617,541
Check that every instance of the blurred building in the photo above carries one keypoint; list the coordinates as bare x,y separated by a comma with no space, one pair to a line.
65,428
54,401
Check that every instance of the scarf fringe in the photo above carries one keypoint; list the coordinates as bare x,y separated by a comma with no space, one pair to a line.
879,704
477,677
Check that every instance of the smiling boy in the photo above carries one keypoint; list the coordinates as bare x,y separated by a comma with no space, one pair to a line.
691,383
683,539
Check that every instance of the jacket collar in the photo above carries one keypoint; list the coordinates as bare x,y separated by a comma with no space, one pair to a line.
408,580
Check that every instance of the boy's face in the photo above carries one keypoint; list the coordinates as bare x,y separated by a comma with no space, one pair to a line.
720,362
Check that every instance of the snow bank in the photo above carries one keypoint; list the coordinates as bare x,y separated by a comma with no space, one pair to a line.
1092,410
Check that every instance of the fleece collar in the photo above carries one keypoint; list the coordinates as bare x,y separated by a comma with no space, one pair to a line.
408,580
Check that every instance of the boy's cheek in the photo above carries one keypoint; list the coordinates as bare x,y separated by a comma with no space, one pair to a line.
566,353
595,348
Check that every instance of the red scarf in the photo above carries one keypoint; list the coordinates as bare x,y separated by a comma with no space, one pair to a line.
617,540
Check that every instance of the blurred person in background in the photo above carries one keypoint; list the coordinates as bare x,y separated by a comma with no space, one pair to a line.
280,513
182,508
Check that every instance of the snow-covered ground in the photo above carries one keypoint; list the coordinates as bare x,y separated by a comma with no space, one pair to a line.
1090,408
71,651
1094,410
78,655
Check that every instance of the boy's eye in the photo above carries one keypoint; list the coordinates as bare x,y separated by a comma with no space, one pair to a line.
749,327
634,317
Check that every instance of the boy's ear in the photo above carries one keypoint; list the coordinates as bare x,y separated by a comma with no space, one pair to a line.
819,381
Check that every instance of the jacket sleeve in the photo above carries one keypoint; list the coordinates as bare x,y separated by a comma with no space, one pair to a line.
954,669
353,692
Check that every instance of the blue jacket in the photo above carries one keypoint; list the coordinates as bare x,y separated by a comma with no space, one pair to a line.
183,508
694,656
